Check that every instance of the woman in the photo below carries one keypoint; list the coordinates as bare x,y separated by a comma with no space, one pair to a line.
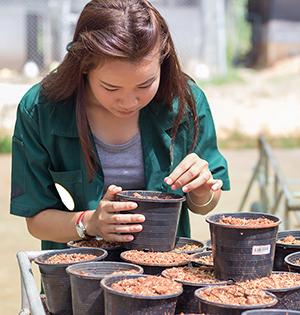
118,113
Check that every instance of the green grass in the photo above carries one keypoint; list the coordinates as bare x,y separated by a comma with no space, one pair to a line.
5,144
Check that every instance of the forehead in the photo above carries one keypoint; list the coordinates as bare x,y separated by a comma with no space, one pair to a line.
119,70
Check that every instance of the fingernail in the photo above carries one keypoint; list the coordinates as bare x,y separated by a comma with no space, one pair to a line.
168,181
185,189
129,238
173,187
141,218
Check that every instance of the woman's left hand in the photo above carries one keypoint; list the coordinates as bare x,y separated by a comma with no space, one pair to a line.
193,174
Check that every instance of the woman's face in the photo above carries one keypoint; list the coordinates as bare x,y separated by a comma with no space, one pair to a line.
123,88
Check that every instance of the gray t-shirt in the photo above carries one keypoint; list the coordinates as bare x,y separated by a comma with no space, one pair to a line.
122,164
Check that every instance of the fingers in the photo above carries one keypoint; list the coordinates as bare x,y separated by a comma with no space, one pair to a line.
120,238
130,228
216,184
118,206
125,218
202,179
112,190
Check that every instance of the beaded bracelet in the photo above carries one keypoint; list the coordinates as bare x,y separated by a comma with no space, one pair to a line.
204,204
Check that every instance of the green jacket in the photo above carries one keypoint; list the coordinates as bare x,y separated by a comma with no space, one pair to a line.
46,150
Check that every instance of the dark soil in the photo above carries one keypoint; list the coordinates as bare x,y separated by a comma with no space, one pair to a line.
289,240
140,196
274,281
96,243
236,295
191,274
147,286
258,222
155,258
69,258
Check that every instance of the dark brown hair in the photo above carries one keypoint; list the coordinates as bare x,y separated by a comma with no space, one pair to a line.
126,29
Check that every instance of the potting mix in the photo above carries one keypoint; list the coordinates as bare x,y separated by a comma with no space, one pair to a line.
236,295
289,240
257,222
155,258
69,258
95,243
147,286
205,259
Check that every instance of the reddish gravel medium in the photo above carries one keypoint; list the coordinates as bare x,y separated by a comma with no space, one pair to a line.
155,258
187,247
69,258
140,196
235,295
289,240
280,280
147,286
191,274
258,222
206,260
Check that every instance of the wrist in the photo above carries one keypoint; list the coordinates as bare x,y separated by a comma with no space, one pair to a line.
202,200
80,225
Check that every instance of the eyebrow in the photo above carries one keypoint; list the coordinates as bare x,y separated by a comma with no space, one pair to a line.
116,86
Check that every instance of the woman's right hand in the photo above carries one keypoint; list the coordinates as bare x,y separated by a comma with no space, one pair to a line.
108,222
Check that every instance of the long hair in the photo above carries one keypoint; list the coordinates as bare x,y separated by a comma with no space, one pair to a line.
128,30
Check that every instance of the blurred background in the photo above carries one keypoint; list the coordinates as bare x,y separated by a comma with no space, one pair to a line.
245,55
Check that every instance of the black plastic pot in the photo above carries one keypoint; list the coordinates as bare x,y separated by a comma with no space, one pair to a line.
270,312
290,260
187,301
241,252
153,269
87,295
119,303
198,255
208,245
282,250
161,219
56,282
181,241
113,252
212,308
288,298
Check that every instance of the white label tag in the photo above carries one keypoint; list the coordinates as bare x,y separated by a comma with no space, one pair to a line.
261,250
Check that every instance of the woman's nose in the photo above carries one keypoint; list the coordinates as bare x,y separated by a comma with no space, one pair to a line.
128,102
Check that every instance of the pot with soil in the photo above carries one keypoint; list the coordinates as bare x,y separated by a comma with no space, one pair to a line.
161,211
191,279
271,312
203,259
185,245
232,299
56,281
284,285
293,262
139,295
87,295
154,263
243,244
288,242
113,249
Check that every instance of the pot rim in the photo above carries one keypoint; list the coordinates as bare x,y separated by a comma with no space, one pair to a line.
70,244
288,257
276,220
38,260
176,198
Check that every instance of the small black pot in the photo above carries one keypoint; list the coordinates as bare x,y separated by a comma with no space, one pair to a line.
282,250
270,312
56,282
119,303
198,255
161,219
290,260
113,252
288,298
181,241
213,308
153,269
87,295
240,252
187,302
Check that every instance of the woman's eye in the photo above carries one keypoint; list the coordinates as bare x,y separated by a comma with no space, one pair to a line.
110,90
145,87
